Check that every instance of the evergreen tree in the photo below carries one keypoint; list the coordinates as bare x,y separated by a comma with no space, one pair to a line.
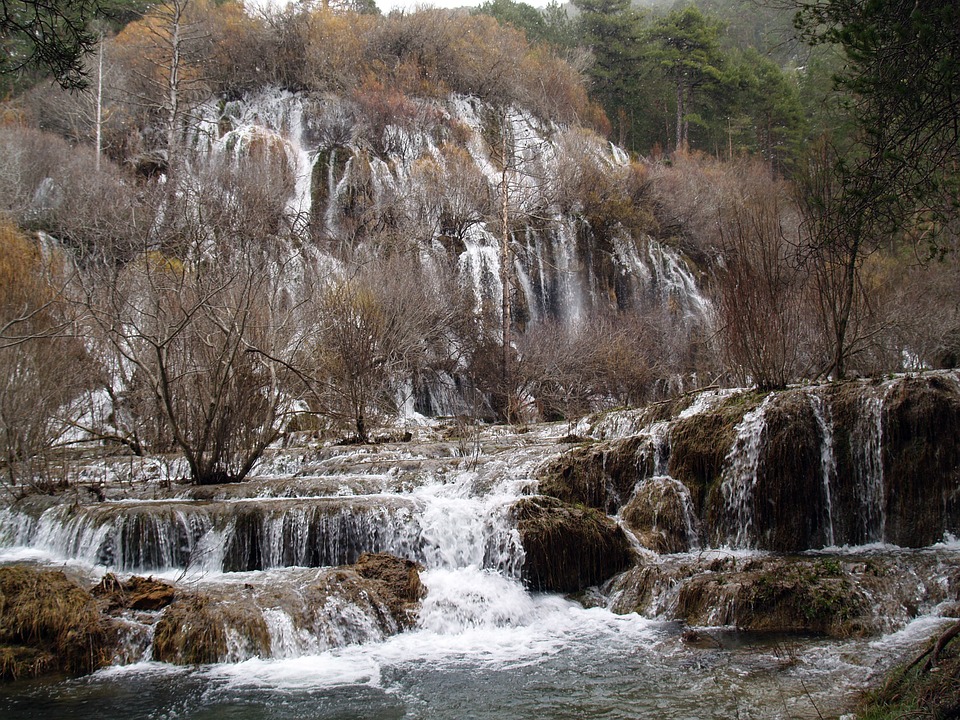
686,46
520,15
763,113
902,73
612,30
52,36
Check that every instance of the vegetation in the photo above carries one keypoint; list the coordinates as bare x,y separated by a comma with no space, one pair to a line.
925,687
223,305
49,624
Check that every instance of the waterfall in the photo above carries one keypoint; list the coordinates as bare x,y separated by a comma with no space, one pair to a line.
828,461
740,478
558,273
867,448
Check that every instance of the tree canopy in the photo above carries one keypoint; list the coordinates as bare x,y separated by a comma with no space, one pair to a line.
902,78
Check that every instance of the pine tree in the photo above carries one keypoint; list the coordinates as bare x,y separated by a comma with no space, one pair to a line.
687,49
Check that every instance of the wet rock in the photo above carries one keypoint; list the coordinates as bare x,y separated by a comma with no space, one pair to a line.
600,476
309,611
660,517
49,624
788,511
838,596
568,548
921,460
699,445
792,598
396,581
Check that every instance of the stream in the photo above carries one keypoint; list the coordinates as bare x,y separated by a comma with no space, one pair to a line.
482,646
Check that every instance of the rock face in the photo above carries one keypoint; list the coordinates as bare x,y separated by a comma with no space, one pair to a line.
568,548
921,460
842,464
599,476
49,624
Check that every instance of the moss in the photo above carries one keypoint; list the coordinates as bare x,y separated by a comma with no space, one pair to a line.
922,688
194,630
48,623
600,476
568,548
699,444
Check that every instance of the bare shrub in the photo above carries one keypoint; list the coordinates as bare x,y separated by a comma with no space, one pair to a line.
377,328
43,368
763,291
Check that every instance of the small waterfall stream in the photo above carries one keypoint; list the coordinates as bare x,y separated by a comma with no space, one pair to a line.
828,461
740,479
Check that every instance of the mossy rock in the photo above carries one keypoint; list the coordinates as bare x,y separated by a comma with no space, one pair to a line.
396,582
49,624
657,516
600,476
781,596
194,630
700,443
568,548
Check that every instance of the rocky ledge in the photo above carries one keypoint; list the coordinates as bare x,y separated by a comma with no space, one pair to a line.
51,624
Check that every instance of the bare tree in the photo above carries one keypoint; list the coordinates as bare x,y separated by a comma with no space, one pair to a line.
377,328
43,368
762,289
203,318
165,56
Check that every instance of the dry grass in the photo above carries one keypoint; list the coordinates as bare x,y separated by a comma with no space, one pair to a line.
49,624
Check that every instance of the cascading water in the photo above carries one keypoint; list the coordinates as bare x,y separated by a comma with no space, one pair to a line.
868,468
740,479
828,461
482,646
334,175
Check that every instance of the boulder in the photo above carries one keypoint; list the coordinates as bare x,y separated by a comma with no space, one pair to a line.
660,517
833,595
568,548
326,607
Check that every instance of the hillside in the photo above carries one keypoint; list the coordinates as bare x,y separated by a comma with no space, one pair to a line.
319,220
